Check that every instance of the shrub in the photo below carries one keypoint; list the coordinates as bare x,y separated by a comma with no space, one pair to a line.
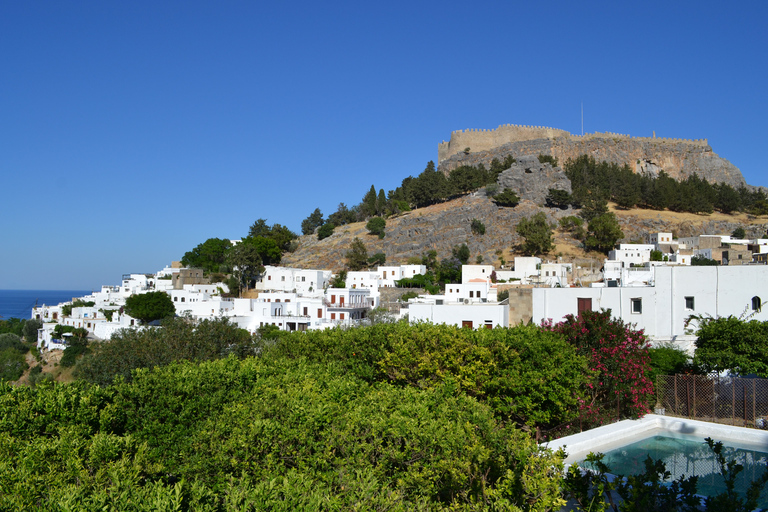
478,227
507,198
619,359
548,159
12,364
376,226
325,230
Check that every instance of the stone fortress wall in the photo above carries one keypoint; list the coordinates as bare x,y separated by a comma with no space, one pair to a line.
484,140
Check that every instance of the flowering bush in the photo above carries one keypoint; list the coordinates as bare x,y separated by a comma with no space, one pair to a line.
619,359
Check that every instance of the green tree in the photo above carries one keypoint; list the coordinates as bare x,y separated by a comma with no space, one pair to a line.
548,159
382,205
739,233
339,280
342,216
245,260
281,235
325,230
210,255
461,253
477,227
656,255
12,365
377,259
603,232
30,330
311,223
150,306
507,198
357,256
702,261
557,198
734,345
537,233
376,226
368,206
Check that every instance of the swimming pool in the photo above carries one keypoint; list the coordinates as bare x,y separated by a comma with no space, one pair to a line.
688,456
678,442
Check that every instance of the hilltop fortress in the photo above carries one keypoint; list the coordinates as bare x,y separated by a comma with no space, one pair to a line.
679,158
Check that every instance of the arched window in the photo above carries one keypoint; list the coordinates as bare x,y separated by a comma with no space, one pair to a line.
757,304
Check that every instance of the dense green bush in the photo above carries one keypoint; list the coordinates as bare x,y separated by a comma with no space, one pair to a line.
12,364
734,345
177,339
254,434
525,374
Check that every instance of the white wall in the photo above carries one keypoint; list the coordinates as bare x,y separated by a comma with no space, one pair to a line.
481,315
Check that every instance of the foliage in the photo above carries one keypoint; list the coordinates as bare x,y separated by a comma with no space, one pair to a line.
150,306
407,296
377,259
702,261
573,225
13,326
461,253
178,339
526,374
739,233
449,270
477,227
339,280
277,233
548,159
311,223
656,255
13,364
12,341
30,330
733,345
603,233
618,356
357,255
376,226
325,230
537,234
507,198
502,295
609,181
248,258
264,435
557,198
71,353
426,281
668,360
210,255
341,216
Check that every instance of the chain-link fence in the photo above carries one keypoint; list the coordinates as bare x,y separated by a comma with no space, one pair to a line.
732,400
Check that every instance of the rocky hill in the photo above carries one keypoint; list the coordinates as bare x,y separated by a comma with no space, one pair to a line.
443,226
679,158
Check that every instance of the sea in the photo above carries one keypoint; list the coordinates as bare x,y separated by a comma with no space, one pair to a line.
19,303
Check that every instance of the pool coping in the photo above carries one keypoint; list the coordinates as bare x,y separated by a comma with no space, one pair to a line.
607,437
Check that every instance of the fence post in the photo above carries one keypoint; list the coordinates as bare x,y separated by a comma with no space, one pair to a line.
677,407
754,414
694,395
688,399
745,403
733,401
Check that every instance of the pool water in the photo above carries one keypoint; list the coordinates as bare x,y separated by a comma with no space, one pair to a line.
689,456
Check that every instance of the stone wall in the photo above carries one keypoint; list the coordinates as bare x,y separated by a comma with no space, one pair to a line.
520,304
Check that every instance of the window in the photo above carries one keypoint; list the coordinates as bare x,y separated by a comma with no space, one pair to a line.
333,316
689,303
183,299
637,306
471,294
757,304
341,315
319,312
333,299
269,278
282,278
466,324
305,312
341,300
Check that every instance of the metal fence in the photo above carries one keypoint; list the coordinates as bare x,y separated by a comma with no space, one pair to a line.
732,400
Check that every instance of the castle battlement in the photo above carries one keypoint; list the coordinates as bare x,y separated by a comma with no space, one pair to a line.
479,139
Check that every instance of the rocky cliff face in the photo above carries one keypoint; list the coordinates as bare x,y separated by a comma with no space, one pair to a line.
531,179
678,159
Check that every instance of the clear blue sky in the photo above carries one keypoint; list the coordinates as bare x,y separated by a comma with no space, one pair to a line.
132,131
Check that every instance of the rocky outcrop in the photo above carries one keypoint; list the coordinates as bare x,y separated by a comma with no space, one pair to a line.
678,159
531,179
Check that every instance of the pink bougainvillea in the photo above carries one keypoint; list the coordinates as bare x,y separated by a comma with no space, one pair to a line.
619,358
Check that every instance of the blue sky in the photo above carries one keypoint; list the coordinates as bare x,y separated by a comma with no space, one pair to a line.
132,131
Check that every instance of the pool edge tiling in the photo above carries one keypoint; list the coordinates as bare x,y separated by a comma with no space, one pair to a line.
615,435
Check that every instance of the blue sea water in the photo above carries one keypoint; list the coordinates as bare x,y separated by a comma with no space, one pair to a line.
19,303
